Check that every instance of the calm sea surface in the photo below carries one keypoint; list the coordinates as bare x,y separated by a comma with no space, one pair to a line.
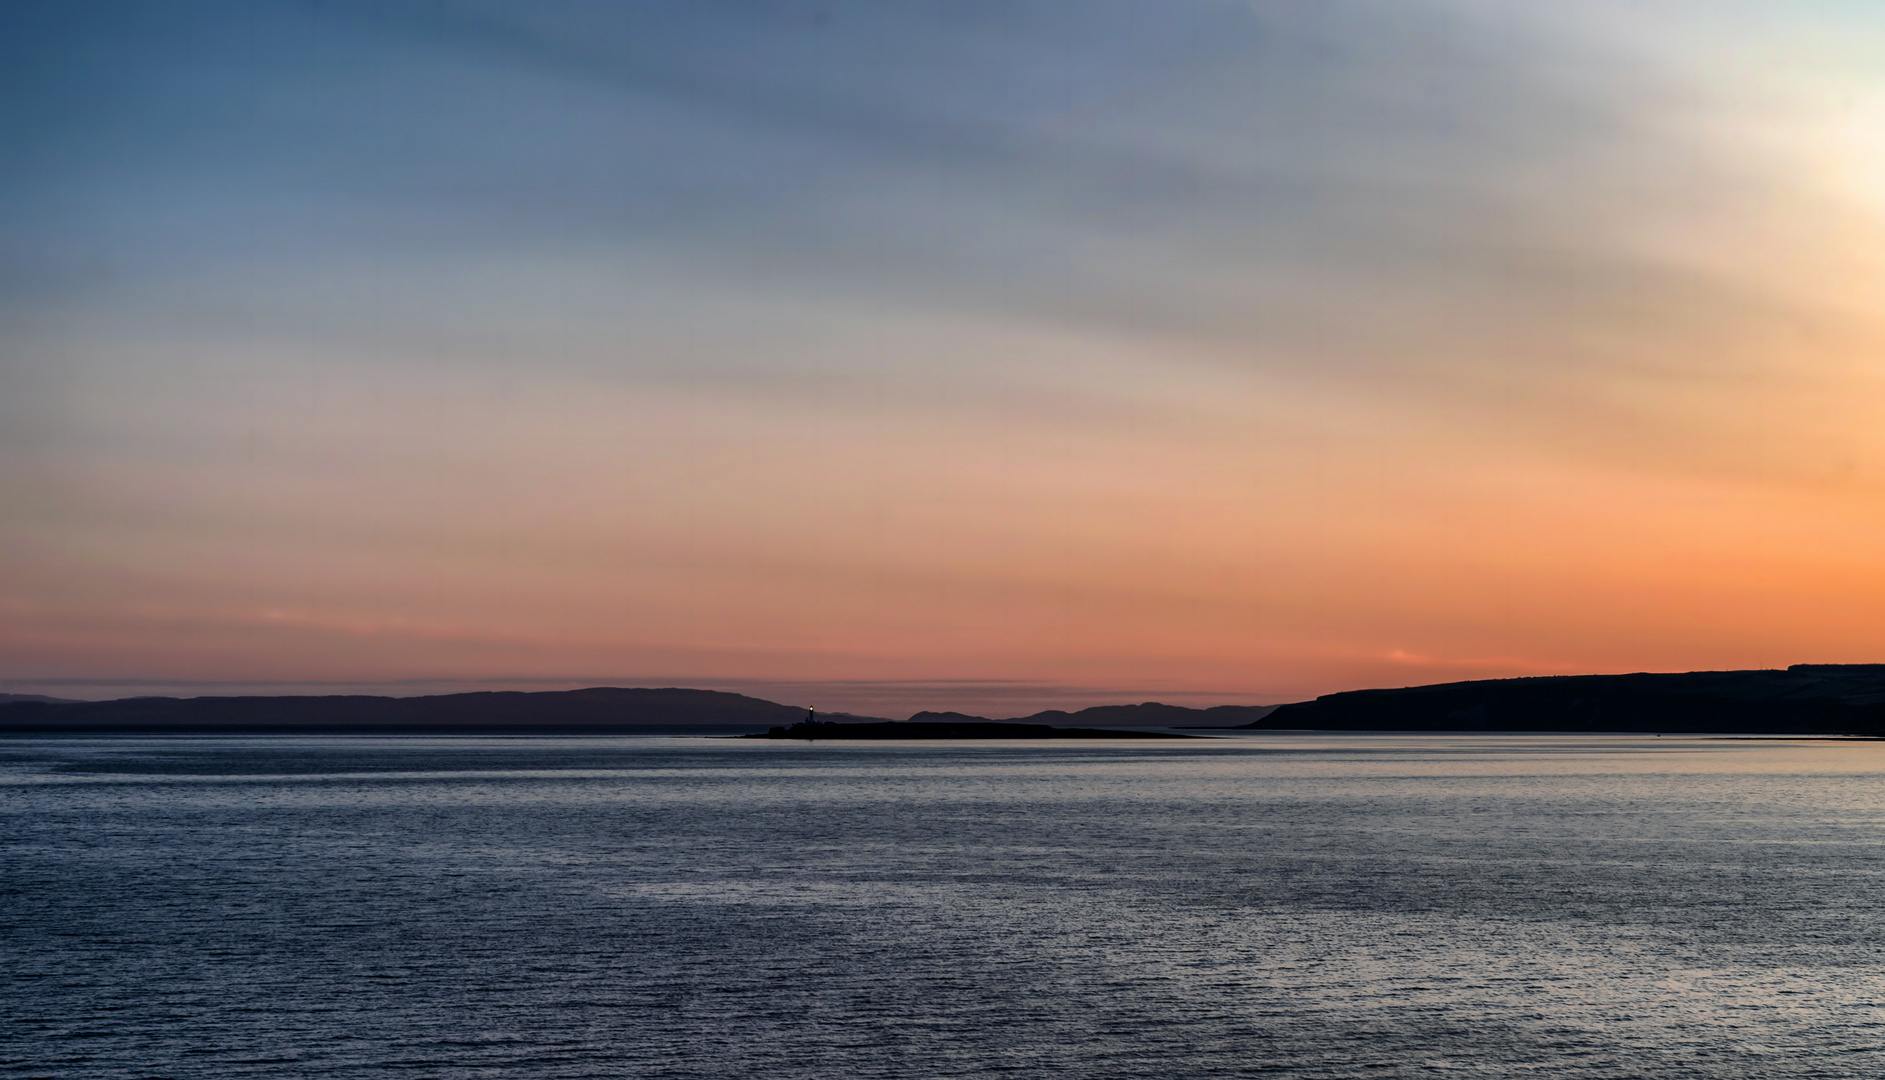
1302,906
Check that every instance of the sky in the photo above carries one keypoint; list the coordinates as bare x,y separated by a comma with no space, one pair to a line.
980,355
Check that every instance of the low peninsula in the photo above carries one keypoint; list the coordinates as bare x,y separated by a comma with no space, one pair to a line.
1805,699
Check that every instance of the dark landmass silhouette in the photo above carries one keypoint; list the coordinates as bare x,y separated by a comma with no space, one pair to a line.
1148,714
1805,699
8,699
967,728
599,710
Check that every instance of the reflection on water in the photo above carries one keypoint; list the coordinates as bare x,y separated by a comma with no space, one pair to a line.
1314,906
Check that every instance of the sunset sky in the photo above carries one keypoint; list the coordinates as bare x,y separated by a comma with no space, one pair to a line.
981,355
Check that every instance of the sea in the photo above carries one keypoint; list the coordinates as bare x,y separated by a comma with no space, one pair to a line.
1273,905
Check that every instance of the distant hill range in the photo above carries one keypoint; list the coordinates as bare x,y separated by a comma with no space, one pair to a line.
601,710
1805,699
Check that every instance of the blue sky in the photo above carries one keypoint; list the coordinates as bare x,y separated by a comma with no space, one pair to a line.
1238,351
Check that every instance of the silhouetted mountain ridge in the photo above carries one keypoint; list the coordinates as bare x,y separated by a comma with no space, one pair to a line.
599,709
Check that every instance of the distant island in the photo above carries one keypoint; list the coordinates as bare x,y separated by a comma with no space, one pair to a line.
1805,699
1148,714
964,729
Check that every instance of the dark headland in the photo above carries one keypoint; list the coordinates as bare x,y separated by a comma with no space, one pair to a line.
1805,699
